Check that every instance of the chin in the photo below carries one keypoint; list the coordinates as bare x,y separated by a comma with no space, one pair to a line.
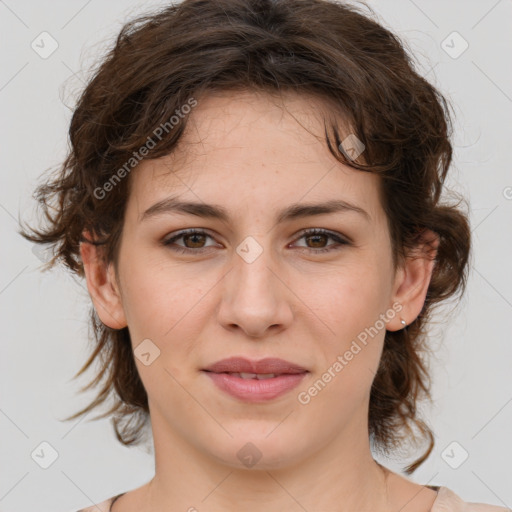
259,452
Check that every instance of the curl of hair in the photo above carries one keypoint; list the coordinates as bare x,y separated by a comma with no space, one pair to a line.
323,48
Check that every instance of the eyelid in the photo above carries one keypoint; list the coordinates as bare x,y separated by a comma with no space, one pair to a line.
327,232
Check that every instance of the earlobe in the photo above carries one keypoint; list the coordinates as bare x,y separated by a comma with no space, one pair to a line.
102,286
413,279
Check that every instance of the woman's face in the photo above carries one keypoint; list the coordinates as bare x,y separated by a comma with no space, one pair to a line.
253,285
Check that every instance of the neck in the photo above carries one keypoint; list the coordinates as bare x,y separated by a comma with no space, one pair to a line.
342,477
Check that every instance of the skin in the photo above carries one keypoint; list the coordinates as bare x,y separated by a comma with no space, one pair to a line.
254,156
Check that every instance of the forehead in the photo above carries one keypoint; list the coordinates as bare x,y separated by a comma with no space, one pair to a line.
248,149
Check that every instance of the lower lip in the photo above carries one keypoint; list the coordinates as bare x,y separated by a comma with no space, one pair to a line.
254,390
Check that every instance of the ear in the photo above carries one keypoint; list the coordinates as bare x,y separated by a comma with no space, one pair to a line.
102,285
413,278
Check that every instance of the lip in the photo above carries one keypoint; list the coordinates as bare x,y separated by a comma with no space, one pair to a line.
289,375
267,365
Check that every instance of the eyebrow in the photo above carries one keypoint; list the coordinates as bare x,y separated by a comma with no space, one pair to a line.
212,211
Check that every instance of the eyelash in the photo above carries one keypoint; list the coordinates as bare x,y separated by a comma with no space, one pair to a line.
310,232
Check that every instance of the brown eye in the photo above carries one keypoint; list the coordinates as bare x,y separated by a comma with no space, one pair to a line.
317,238
318,241
193,241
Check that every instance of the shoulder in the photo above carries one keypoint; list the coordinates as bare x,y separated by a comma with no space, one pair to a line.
448,501
104,506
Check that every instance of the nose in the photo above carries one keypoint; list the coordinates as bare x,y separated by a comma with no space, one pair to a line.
255,297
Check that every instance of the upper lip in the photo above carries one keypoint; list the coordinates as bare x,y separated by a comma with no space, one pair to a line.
265,366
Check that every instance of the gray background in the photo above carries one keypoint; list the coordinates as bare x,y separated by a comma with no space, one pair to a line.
44,315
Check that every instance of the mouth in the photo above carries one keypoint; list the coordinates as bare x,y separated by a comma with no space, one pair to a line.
255,381
249,368
258,376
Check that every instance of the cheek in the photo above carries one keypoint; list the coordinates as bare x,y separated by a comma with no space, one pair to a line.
351,307
351,351
351,299
159,299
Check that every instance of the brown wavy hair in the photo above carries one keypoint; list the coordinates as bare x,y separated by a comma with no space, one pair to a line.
334,51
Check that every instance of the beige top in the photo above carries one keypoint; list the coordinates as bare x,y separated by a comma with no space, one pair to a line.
446,501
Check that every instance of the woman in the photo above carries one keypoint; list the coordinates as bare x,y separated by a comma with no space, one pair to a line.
253,196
